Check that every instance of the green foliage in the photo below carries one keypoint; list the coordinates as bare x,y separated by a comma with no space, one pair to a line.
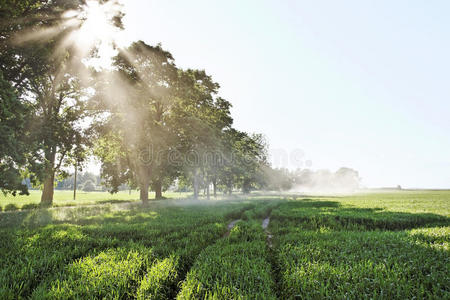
246,158
10,207
150,110
137,127
49,78
30,206
13,146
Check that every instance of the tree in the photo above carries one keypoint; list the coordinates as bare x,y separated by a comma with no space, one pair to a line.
202,118
16,16
46,77
136,128
59,111
159,111
246,159
347,179
89,186
13,146
279,179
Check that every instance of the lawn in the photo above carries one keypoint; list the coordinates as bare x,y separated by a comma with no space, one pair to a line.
384,245
65,198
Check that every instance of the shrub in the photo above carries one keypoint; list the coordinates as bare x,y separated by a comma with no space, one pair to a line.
11,206
30,206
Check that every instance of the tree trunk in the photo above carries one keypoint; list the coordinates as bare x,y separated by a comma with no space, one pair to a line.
47,192
158,189
143,192
214,188
207,191
196,183
246,187
49,180
75,183
229,186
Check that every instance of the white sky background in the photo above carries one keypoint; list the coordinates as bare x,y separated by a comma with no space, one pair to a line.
361,84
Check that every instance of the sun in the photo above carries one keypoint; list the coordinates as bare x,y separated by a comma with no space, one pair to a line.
97,22
95,30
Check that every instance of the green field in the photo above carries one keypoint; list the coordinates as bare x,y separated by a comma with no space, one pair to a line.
383,245
65,198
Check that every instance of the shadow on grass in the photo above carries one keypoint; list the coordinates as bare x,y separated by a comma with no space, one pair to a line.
114,201
313,214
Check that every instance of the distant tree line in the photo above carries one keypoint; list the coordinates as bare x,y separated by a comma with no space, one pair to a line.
86,181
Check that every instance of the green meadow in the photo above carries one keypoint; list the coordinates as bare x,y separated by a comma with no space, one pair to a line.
65,198
383,245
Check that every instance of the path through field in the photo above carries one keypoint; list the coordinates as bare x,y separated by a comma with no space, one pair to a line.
230,226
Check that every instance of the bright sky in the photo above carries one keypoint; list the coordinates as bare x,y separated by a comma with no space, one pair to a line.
361,84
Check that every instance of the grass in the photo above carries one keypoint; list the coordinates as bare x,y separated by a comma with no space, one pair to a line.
362,265
236,267
390,245
421,201
65,198
387,245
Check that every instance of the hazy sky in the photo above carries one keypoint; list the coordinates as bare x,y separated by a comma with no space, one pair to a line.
362,84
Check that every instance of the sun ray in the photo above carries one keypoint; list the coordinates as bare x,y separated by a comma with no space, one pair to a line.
91,31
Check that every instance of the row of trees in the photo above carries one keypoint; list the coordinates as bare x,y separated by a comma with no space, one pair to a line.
164,123
85,181
148,121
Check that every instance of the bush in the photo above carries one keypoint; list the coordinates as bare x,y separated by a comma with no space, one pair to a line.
89,186
30,206
10,207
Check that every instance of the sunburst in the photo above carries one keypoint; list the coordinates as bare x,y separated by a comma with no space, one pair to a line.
94,32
